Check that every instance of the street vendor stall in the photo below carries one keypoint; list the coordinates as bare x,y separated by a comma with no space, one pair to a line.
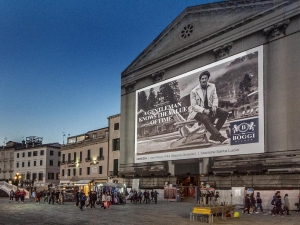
116,190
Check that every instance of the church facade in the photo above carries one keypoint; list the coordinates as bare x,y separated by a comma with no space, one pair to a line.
239,130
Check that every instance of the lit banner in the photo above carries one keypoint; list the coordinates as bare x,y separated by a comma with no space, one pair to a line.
215,110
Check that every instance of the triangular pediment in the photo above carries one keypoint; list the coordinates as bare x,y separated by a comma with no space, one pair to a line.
197,24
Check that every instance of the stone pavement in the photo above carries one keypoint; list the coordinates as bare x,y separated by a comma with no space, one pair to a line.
163,213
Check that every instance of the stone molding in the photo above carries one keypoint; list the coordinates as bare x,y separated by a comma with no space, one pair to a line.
158,76
129,87
276,29
222,51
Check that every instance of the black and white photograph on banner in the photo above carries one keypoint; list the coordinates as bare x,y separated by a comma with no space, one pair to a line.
213,110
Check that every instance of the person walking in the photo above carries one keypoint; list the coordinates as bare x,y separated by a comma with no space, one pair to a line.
155,195
61,197
247,204
33,196
286,204
77,198
82,199
17,196
278,204
38,197
11,195
252,202
108,200
258,203
104,199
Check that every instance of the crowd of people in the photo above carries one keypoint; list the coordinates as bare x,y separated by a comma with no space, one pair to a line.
279,206
145,197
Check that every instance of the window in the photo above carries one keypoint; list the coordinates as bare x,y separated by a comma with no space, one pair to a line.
41,162
23,164
100,169
29,154
106,133
116,144
63,172
17,155
51,176
51,162
89,154
94,136
116,167
17,165
88,170
59,153
42,152
63,158
58,163
74,172
69,172
69,157
100,152
40,176
35,153
74,156
34,163
28,164
80,157
34,176
116,126
51,152
57,176
23,154
80,171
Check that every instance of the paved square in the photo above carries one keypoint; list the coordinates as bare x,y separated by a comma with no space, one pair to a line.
163,213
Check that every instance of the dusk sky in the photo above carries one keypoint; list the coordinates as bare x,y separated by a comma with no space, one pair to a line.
61,61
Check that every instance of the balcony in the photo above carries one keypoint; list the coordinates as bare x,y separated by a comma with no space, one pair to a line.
100,158
71,163
113,173
63,163
88,159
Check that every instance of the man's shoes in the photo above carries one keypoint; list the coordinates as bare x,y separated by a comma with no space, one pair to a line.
213,139
224,140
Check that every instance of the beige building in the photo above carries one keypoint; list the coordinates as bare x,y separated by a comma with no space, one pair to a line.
7,160
114,148
93,157
37,164
84,159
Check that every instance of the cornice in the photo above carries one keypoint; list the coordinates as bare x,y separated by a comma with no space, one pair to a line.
225,36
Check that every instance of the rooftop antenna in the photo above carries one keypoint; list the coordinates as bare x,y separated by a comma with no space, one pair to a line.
64,138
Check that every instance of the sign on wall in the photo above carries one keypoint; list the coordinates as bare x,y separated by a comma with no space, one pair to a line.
215,110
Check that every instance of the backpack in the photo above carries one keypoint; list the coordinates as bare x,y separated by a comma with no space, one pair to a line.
83,197
273,201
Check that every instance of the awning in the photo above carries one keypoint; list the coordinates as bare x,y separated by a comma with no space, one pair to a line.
82,182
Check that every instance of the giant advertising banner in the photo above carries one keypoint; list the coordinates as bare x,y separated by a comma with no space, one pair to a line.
215,110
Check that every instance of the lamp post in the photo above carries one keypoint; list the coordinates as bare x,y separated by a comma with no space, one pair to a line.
18,178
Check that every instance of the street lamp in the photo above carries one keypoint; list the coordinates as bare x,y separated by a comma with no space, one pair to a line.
18,178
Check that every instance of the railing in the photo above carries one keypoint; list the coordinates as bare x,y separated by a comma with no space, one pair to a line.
100,158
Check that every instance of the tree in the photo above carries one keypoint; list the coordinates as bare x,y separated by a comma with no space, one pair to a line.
170,92
151,102
142,101
244,90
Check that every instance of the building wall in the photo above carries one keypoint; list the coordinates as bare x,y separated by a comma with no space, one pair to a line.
281,68
6,163
114,154
45,168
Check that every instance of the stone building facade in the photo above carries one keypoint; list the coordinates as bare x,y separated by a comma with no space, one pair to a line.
199,37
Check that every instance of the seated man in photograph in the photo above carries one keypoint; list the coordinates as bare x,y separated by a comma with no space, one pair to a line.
204,103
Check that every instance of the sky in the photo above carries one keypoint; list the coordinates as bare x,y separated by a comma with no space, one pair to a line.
61,61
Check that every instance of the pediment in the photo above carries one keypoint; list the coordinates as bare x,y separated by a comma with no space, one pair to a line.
197,24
